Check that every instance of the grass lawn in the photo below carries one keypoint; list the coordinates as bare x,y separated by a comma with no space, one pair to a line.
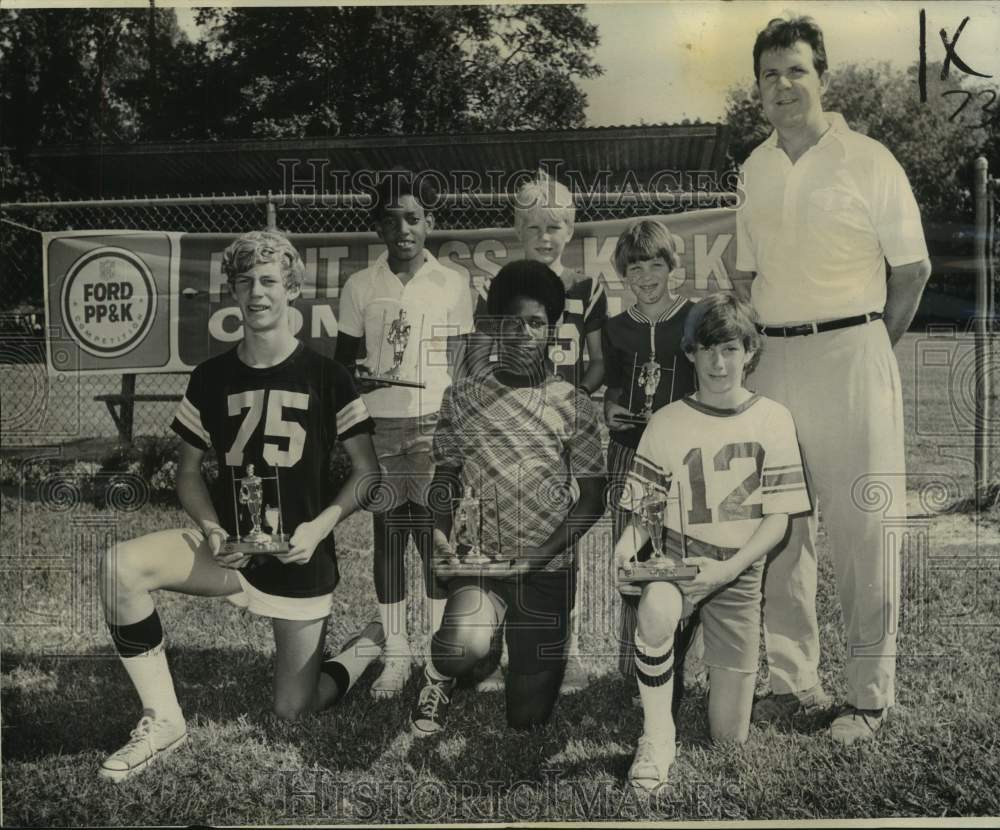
66,702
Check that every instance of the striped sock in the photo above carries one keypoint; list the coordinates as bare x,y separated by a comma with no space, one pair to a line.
655,672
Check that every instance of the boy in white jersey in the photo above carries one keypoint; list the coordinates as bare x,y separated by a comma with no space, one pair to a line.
406,282
735,458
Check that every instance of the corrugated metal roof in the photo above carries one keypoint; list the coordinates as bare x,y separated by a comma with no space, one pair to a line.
203,168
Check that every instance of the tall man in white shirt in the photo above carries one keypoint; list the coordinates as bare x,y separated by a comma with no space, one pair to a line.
825,208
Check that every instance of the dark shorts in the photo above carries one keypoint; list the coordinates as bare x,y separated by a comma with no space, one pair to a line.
534,611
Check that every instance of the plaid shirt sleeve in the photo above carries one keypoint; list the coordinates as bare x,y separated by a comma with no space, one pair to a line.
586,457
447,450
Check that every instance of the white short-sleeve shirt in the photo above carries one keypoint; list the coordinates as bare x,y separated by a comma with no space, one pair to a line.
818,232
438,304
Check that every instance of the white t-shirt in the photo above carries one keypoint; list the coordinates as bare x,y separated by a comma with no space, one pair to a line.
818,232
731,466
438,305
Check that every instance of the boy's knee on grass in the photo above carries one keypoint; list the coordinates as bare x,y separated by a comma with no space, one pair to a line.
292,710
526,721
530,698
729,705
729,734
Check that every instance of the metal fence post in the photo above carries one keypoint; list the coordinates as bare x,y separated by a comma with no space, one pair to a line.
272,213
982,448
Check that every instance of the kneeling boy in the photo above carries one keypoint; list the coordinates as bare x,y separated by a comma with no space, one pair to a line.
735,460
519,436
272,407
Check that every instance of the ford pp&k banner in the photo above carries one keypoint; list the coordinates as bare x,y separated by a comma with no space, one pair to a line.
149,301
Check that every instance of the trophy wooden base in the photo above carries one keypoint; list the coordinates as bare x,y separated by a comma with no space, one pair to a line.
667,568
278,543
392,381
656,570
634,420
453,566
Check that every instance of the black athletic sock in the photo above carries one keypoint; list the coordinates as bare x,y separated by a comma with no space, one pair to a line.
137,638
339,674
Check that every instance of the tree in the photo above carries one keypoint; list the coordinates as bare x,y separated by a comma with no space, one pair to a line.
82,75
935,150
396,69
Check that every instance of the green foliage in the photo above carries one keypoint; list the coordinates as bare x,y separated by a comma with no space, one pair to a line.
145,457
402,69
123,75
71,76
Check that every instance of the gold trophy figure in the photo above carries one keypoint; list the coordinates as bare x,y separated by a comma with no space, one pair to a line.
467,529
251,496
467,556
649,380
398,337
667,547
650,374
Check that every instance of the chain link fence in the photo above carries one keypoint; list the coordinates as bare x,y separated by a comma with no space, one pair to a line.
66,410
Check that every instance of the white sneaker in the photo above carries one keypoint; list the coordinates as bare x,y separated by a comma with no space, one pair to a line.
151,738
395,673
492,683
651,768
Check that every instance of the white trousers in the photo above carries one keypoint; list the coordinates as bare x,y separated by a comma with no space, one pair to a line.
843,390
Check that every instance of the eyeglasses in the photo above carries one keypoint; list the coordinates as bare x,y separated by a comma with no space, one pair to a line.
512,326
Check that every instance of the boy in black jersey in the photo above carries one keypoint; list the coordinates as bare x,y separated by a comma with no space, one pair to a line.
273,403
647,259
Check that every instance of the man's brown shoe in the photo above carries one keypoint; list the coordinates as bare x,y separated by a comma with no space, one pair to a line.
774,707
854,724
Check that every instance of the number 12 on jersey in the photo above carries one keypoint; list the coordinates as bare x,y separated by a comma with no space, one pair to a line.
733,507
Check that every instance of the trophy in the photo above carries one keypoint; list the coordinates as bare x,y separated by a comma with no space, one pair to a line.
649,382
251,496
398,337
667,546
467,556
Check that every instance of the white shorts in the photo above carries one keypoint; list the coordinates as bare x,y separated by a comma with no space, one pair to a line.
282,608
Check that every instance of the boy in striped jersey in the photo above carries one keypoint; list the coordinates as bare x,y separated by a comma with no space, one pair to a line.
273,408
735,460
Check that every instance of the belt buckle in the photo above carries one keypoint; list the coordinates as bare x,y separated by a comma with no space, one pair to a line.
802,329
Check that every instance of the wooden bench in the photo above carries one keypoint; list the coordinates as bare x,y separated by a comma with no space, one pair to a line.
121,405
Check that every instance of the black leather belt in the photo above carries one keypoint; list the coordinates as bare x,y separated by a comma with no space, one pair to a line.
815,328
